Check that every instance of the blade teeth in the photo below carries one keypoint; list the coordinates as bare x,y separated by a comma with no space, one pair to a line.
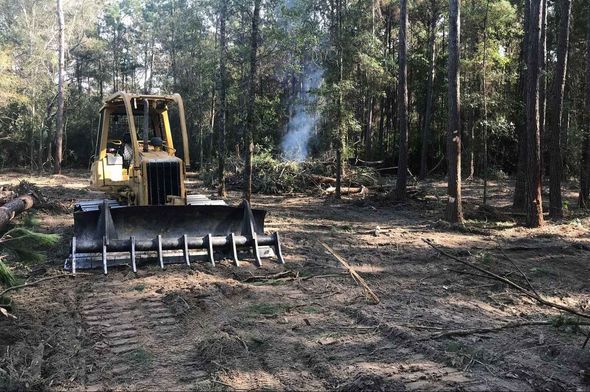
232,238
133,265
160,256
255,250
210,249
104,255
73,255
280,258
185,250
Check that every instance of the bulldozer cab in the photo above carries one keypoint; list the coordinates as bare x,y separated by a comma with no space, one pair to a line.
135,143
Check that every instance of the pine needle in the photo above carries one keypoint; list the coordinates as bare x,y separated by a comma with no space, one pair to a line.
24,244
6,276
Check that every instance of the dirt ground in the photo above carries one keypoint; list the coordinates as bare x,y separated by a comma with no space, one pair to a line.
312,328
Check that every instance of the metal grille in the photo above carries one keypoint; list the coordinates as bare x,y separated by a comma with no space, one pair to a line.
163,180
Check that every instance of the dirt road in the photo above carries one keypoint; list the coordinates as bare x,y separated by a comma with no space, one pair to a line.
307,325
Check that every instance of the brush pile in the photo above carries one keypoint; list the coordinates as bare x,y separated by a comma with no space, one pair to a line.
275,176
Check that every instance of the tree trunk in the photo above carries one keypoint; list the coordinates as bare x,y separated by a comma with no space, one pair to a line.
59,129
584,197
15,207
543,88
521,180
426,129
454,213
534,205
402,166
340,141
558,87
250,125
485,104
222,98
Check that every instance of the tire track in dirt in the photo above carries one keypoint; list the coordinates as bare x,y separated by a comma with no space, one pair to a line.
132,334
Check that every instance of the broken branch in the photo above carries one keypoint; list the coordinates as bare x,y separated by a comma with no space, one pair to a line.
470,331
357,278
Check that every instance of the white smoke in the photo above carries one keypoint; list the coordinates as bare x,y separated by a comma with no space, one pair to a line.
302,123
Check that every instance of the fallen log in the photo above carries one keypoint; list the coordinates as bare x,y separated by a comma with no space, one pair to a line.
6,195
14,207
347,190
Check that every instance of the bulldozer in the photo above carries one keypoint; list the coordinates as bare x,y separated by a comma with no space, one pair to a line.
149,217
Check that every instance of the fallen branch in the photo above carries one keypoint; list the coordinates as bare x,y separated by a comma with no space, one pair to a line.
471,331
435,167
519,270
526,292
258,278
22,286
357,278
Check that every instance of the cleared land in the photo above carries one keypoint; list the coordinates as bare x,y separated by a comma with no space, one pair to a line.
307,325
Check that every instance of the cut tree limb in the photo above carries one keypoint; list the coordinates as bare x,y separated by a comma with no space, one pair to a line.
14,207
357,278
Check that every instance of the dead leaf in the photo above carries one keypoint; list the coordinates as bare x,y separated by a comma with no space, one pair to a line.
6,314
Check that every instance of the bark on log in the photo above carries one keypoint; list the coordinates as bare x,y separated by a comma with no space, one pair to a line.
6,196
15,207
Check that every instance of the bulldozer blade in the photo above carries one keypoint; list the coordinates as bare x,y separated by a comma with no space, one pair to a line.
113,235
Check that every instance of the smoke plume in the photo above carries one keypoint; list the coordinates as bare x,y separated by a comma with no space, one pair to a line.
301,125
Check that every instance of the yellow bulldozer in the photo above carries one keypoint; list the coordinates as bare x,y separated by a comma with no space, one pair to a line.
149,216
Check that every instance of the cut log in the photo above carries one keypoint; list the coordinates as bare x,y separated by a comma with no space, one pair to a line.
15,207
322,179
347,190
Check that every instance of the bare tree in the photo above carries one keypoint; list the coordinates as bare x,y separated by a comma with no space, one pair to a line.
534,205
250,125
59,131
402,166
454,213
555,117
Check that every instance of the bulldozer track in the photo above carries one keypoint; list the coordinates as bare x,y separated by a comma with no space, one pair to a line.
130,331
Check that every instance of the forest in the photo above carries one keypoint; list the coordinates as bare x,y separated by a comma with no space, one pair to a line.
312,79
426,164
